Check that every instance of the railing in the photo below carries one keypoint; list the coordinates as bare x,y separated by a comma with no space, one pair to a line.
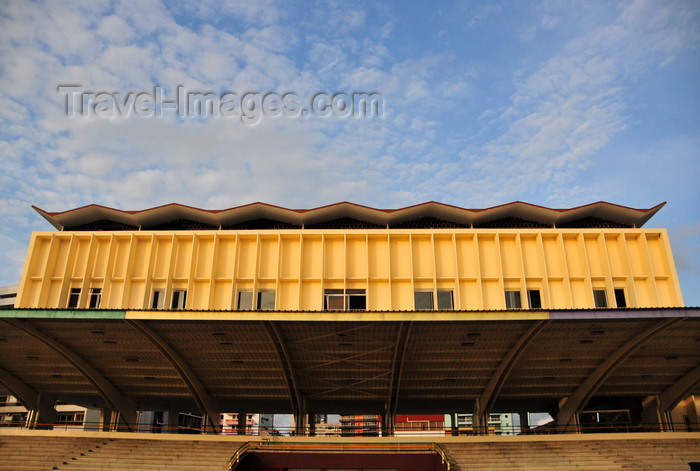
320,432
286,447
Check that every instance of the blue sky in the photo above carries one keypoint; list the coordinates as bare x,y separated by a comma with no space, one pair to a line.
557,103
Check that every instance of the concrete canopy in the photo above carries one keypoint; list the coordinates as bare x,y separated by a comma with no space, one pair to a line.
349,362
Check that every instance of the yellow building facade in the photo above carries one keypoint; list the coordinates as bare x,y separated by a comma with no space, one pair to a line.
387,267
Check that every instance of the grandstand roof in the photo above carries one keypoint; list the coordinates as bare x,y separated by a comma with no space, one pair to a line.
592,215
335,362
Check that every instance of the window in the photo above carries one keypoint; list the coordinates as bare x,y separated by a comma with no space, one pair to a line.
95,297
423,300
73,298
245,301
599,297
533,297
513,300
179,300
345,300
620,297
445,300
158,299
266,300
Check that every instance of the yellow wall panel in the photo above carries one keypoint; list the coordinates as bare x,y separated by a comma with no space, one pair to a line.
183,257
565,265
58,257
290,257
121,256
225,257
467,256
312,258
378,256
38,256
141,257
268,258
658,256
204,259
470,296
222,295
247,257
445,263
423,263
554,260
199,297
597,264
401,296
400,256
378,296
493,295
136,294
82,251
311,296
615,255
288,295
510,257
580,293
356,263
532,256
575,260
100,258
164,247
559,295
334,257
488,256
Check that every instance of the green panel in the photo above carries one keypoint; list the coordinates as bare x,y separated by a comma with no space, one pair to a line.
62,314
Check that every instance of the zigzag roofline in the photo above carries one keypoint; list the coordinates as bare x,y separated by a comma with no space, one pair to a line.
601,210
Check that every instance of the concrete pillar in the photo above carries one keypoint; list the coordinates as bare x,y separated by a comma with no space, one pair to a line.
524,421
653,419
172,420
479,422
242,423
44,414
455,425
312,424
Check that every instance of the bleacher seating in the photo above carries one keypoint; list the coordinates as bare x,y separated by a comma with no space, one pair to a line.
44,450
601,454
41,452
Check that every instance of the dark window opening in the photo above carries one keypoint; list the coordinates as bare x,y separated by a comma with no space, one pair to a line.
95,298
534,299
73,298
620,297
423,300
158,298
179,300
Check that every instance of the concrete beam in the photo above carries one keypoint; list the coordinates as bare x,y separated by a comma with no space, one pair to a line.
24,393
104,387
204,402
289,373
571,405
493,388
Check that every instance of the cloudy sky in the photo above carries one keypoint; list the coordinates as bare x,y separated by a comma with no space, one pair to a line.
557,103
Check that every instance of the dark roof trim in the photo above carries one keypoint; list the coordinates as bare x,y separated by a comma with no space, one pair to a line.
518,209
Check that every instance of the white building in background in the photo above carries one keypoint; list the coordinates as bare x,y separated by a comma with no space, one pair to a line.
8,296
498,424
